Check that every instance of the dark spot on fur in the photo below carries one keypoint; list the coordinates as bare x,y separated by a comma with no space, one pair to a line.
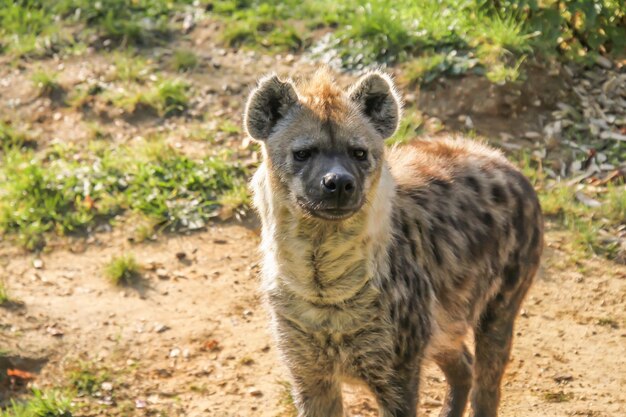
498,194
511,275
487,219
436,251
519,220
444,185
473,184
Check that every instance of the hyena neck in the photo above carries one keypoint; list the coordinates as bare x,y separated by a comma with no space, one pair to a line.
318,261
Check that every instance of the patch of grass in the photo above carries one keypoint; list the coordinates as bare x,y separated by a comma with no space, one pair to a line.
286,400
86,378
43,404
130,67
410,127
589,225
608,322
167,97
120,270
184,60
4,293
227,126
46,82
12,138
557,397
61,193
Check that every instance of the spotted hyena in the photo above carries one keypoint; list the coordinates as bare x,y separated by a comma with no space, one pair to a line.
376,259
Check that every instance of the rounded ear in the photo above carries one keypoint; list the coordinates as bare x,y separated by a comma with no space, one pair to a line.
267,105
376,96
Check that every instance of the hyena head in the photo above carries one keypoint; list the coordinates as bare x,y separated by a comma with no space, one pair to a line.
323,146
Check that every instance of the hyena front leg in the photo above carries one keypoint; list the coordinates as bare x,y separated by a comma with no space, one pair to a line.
457,367
317,396
397,394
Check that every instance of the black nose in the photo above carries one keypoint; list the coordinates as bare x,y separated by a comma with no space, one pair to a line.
338,183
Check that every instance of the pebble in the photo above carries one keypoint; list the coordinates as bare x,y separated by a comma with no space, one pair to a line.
162,273
38,263
255,392
604,62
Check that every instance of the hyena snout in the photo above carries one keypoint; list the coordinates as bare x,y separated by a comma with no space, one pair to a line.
339,186
333,191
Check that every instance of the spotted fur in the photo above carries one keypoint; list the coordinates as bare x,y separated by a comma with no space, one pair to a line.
447,240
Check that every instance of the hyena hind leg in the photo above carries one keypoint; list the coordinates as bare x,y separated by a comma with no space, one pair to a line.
457,368
493,336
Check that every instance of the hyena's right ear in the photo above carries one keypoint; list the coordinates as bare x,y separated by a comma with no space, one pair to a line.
267,104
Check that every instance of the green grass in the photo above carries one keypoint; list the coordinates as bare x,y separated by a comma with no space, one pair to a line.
31,27
608,322
557,397
130,67
487,37
53,193
122,270
4,293
42,404
474,35
86,378
12,138
410,126
166,97
588,225
46,82
184,60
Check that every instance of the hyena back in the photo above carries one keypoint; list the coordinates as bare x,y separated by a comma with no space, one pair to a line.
376,259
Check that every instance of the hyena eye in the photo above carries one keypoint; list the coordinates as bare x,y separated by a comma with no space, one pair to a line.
360,154
302,155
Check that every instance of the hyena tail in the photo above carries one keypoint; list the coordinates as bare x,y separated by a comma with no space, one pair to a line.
493,336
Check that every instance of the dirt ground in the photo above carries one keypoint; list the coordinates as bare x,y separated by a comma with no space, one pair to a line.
191,338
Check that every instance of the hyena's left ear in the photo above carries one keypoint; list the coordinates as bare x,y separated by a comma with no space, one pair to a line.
376,95
267,105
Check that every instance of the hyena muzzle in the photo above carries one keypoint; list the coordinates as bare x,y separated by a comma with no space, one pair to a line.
376,259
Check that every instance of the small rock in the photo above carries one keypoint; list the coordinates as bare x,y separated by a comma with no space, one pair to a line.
613,136
604,62
106,386
162,273
54,331
174,353
532,135
255,392
140,404
38,263
181,256
563,378
160,328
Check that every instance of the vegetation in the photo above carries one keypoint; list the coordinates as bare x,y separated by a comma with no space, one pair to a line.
589,225
4,293
42,404
184,61
121,270
447,36
46,83
55,193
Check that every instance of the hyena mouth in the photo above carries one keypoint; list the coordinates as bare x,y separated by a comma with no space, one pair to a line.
333,214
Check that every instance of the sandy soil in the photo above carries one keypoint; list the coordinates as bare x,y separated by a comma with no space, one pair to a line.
191,338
